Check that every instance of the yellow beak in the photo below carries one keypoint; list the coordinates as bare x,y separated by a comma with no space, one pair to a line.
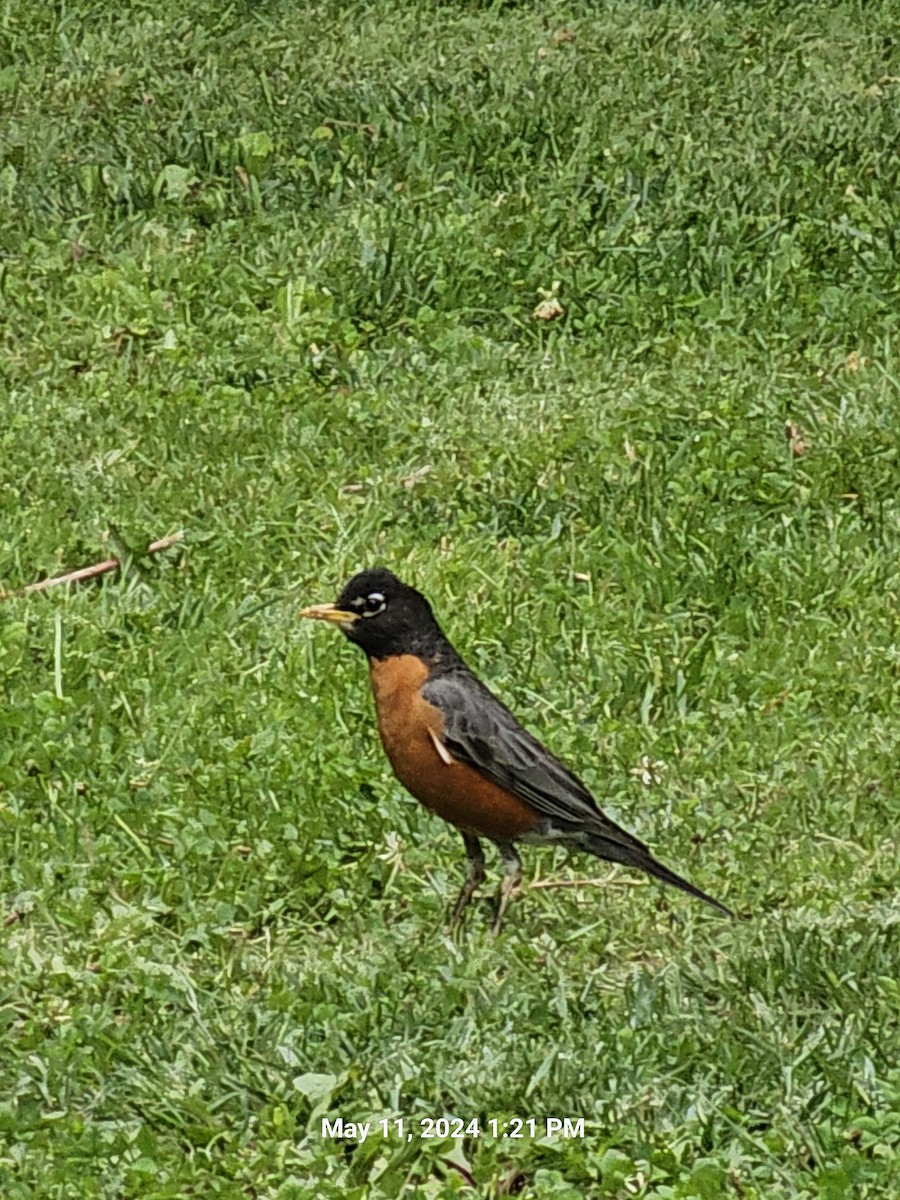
328,612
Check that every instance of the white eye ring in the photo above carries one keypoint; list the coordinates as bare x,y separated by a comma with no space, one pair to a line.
374,598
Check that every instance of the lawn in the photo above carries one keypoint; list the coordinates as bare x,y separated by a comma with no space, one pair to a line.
583,318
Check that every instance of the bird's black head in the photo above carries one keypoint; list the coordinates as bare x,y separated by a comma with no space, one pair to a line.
382,615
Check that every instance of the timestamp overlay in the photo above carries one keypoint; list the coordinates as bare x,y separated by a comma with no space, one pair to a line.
412,1129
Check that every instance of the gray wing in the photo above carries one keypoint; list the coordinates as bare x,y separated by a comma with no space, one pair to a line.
481,731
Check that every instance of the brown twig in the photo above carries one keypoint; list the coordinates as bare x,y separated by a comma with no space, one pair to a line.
110,564
464,1171
557,883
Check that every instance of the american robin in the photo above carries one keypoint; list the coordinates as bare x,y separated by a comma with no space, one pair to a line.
461,752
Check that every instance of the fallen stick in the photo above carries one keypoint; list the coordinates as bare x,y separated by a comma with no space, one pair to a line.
101,568
558,883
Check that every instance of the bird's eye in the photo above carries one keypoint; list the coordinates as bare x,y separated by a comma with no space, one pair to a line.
373,604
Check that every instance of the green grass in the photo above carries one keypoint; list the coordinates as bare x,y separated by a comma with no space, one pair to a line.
267,274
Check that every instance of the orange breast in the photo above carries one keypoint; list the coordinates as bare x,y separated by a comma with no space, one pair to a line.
454,790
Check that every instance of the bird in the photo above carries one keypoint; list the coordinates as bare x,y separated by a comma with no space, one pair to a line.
462,753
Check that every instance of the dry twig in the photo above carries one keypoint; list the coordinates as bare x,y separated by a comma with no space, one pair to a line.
110,564
558,883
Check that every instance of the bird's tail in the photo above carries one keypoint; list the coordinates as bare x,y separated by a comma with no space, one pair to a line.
638,855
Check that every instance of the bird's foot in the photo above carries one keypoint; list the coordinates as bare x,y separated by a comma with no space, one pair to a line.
510,888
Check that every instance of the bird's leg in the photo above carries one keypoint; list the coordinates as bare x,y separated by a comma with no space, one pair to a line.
512,877
475,857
